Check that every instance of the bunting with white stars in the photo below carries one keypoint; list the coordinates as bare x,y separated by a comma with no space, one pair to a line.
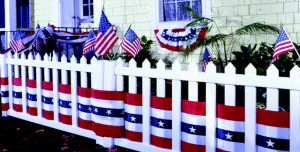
4,93
107,113
133,117
47,100
161,122
17,94
230,128
31,97
273,131
84,108
65,109
193,122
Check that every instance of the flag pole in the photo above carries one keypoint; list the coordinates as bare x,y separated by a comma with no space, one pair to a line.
291,41
121,43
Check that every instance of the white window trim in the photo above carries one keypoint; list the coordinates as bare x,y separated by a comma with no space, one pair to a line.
155,24
85,24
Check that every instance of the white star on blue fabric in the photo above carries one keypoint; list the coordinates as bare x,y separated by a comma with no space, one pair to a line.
192,129
270,143
79,106
122,112
44,99
161,124
108,112
96,110
29,96
133,118
15,94
89,108
60,102
228,136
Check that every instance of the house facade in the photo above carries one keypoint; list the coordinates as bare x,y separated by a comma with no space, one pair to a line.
148,15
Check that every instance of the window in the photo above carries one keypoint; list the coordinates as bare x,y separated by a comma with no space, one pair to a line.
23,13
169,13
87,8
2,14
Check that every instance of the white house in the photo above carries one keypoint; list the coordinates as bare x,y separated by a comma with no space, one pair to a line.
147,15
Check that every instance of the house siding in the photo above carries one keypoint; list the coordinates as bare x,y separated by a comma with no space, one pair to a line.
43,12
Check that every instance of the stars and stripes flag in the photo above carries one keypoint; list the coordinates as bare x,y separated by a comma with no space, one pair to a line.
283,44
230,128
106,36
16,43
90,43
206,59
131,43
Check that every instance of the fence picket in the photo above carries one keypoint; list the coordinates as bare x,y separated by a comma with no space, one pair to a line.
211,111
160,83
193,85
294,112
272,94
74,93
10,84
250,112
55,90
38,87
24,89
132,79
146,105
230,94
176,108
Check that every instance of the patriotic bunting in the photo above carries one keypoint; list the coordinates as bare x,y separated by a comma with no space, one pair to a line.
161,122
47,100
175,39
193,126
230,128
133,117
65,109
84,108
107,113
273,131
31,97
17,94
4,94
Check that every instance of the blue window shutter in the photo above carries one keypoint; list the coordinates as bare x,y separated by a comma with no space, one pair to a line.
2,14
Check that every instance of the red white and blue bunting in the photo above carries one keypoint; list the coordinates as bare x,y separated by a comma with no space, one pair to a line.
175,39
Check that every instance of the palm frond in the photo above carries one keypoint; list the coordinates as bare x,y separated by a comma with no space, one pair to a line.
257,28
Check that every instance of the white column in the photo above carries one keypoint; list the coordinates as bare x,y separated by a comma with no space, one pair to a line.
56,13
98,5
10,17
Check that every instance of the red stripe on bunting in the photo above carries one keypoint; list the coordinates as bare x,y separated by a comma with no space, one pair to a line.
4,81
194,108
65,119
17,108
49,115
134,136
85,124
107,95
273,118
108,131
31,83
161,142
234,113
5,106
188,147
84,92
64,88
17,81
220,150
32,111
133,99
161,103
47,85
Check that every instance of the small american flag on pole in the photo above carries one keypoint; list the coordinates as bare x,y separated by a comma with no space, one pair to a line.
106,37
16,43
283,44
90,43
206,59
131,43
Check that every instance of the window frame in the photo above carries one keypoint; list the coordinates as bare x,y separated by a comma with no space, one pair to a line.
155,16
89,18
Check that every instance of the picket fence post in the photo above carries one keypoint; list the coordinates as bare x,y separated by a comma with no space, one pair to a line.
55,90
295,112
272,94
4,74
38,86
10,84
230,93
146,105
24,89
250,112
211,123
176,109
74,93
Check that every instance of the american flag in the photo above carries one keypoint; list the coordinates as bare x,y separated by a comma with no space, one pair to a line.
106,37
283,44
206,58
16,43
131,43
90,43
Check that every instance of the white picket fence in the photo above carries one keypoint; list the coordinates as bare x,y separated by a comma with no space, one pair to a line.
108,75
